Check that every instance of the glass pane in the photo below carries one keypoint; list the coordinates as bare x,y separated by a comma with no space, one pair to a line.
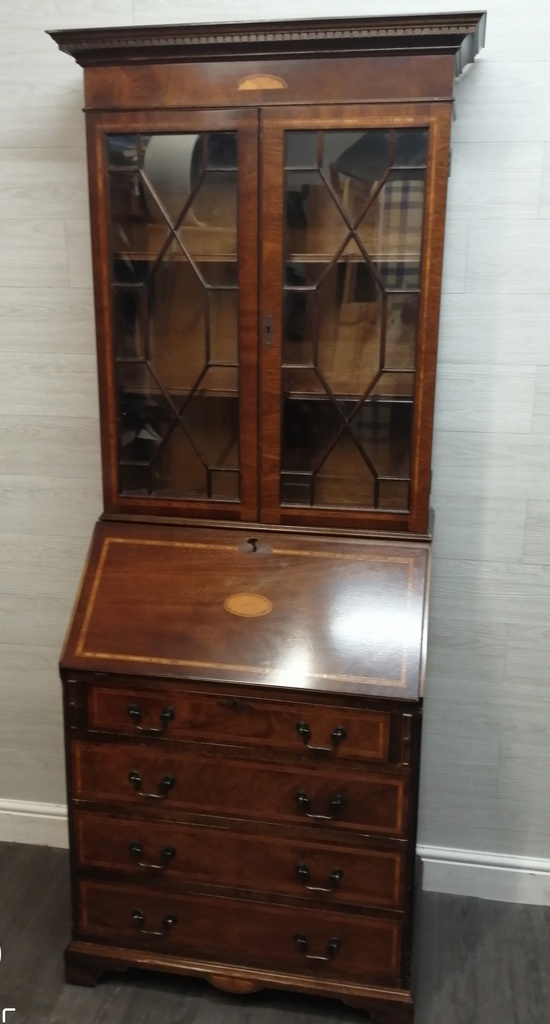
213,426
345,479
301,149
315,229
223,309
401,331
176,325
299,326
383,432
221,151
173,204
225,486
394,385
170,174
350,317
302,380
297,488
394,494
353,247
310,427
128,313
178,468
122,150
135,479
209,226
145,413
411,147
360,156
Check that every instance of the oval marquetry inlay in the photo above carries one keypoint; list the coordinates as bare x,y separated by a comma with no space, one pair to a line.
262,82
247,605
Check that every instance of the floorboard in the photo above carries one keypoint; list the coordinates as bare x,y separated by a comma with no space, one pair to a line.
478,962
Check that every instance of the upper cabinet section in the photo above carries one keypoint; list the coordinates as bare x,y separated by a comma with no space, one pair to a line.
267,225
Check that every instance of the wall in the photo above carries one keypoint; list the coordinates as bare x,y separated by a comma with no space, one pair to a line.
486,750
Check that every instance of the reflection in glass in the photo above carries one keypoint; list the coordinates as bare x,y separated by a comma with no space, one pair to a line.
173,232
353,248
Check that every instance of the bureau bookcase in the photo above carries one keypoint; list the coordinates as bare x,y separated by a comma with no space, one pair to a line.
244,666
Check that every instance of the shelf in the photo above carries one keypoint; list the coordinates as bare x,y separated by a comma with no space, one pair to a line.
144,241
222,382
301,382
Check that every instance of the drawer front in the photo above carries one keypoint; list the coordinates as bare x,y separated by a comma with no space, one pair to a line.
156,781
336,732
301,940
264,864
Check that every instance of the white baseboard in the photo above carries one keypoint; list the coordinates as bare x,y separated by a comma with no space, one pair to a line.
38,824
491,876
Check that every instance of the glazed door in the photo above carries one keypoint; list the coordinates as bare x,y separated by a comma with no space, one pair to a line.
350,279
176,270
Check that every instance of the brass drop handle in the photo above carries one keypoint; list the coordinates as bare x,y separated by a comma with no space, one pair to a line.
332,947
168,854
302,874
168,922
337,803
166,716
337,736
167,783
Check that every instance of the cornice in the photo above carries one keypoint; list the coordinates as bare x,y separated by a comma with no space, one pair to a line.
459,34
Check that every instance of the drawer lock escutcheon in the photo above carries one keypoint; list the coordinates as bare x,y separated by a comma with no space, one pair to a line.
337,803
337,736
302,874
164,786
332,947
168,922
168,854
166,716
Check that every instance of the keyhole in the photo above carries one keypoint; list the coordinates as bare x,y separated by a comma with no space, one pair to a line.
254,544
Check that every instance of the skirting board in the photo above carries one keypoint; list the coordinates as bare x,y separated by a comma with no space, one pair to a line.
490,876
37,824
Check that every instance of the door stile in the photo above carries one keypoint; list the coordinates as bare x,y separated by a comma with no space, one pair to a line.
270,322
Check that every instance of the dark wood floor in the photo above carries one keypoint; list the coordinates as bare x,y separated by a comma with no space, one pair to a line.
479,963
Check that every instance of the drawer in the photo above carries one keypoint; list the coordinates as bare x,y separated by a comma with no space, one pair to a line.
301,728
200,855
163,781
301,940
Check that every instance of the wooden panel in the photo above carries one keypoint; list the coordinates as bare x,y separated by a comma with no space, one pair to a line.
223,786
344,616
246,861
254,934
232,720
216,84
